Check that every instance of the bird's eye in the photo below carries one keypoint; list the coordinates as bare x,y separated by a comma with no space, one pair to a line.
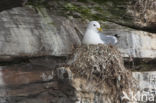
94,25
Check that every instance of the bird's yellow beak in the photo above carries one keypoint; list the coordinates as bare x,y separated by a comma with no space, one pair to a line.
99,29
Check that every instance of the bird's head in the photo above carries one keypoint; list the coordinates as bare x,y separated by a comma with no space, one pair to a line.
94,25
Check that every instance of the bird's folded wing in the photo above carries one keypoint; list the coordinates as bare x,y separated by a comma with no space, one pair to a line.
108,39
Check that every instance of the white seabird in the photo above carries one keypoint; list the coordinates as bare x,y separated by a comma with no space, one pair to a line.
93,35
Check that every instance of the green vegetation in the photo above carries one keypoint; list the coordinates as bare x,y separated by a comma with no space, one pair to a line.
91,13
103,10
110,10
81,11
103,1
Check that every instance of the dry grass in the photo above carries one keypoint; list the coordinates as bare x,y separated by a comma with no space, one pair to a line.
144,11
144,5
102,66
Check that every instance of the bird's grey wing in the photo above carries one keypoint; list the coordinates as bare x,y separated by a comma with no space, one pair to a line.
108,39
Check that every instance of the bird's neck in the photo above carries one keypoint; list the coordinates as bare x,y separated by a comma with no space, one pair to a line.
91,32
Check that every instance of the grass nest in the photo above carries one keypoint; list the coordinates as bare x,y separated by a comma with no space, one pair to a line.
102,64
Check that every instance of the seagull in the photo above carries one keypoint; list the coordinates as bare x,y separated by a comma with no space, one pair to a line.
95,36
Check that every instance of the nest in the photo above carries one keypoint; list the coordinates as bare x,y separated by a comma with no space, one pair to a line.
102,64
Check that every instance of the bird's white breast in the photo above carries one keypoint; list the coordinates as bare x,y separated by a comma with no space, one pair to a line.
91,37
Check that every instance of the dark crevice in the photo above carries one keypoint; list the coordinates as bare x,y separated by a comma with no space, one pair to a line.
140,64
146,29
24,60
30,84
18,60
9,4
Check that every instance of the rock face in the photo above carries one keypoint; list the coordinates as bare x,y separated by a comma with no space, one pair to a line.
147,81
36,40
144,13
138,44
27,33
35,83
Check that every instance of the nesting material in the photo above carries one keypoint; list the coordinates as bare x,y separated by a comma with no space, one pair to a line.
103,65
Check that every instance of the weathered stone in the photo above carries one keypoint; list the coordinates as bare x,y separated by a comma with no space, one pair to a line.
146,81
27,32
39,83
64,74
35,34
41,34
16,76
138,44
143,13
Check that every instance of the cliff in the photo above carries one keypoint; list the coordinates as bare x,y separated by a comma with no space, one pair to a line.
37,40
83,78
38,31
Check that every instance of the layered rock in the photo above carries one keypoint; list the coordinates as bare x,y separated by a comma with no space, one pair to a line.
83,79
146,81
30,34
143,12
134,43
26,33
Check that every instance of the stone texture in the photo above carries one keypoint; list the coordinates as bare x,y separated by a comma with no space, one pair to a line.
138,44
36,40
143,13
25,32
147,84
35,83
